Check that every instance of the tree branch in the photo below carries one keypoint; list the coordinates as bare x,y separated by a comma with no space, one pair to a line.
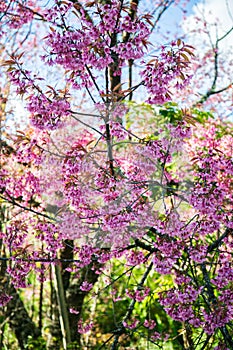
121,329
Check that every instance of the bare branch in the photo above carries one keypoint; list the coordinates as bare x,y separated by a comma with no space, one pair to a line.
121,329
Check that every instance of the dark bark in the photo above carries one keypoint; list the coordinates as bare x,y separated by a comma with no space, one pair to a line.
19,320
75,298
66,255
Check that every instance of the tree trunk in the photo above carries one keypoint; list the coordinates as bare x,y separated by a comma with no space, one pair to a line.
75,300
19,320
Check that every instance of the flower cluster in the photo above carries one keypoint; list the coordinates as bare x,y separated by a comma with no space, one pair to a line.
90,46
214,169
164,72
130,324
4,299
138,295
151,324
48,234
116,129
24,188
179,304
46,113
86,287
84,327
22,14
217,319
31,146
19,272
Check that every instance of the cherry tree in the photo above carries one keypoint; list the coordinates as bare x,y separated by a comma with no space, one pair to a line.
114,205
